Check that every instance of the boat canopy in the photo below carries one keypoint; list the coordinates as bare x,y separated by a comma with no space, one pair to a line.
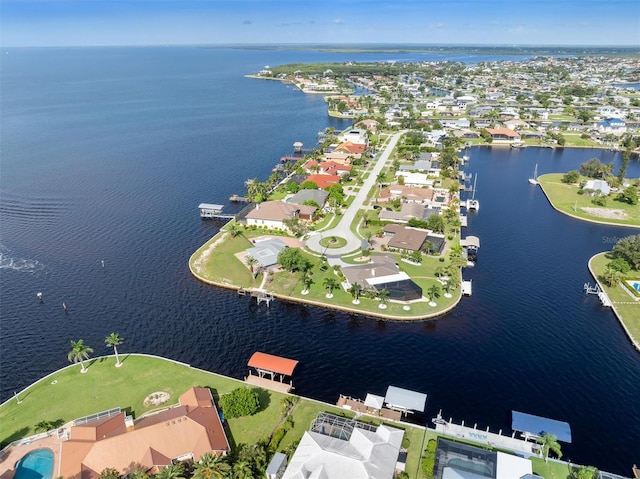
536,425
405,399
271,363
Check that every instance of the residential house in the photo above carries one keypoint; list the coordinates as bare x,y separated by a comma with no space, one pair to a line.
383,273
324,181
266,252
183,432
503,135
273,214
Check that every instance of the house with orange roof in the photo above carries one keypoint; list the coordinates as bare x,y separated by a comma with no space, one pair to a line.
503,134
186,431
323,181
334,168
351,148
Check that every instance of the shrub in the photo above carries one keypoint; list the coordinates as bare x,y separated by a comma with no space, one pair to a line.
240,402
571,177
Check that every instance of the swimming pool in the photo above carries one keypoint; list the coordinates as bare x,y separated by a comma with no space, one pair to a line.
37,464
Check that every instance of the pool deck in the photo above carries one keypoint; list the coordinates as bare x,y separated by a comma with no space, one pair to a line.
13,454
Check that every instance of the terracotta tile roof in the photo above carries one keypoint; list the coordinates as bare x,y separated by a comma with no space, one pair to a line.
351,147
324,180
280,210
412,193
191,428
502,131
273,363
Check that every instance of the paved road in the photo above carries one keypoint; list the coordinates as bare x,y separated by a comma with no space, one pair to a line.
343,228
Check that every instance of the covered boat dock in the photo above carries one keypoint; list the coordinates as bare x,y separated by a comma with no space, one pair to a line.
405,400
533,427
271,372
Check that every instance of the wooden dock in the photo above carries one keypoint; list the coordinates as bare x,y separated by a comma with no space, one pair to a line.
358,406
261,295
238,199
266,383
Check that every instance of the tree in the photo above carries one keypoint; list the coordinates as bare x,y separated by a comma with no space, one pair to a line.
292,259
355,291
585,472
137,474
307,281
434,291
619,264
79,352
250,261
629,195
330,284
211,466
113,341
234,229
628,249
549,442
241,470
383,296
42,426
436,223
240,402
173,471
594,168
571,177
109,473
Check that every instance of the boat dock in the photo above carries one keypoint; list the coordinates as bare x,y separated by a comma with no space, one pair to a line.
238,199
359,407
261,295
466,288
602,296
209,211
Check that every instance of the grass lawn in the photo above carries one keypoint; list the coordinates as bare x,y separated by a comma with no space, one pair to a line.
105,387
626,307
566,199
576,141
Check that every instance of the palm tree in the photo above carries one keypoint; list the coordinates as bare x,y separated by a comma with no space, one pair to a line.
234,229
307,281
549,442
137,474
383,295
79,352
250,261
113,341
241,470
355,291
434,291
173,471
330,284
109,473
211,466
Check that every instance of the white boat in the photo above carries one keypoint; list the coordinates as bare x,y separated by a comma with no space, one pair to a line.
534,180
472,203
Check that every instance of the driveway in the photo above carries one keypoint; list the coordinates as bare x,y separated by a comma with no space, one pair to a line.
343,228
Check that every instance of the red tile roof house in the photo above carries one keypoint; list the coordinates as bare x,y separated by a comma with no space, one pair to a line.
186,431
503,135
333,168
412,194
272,214
324,180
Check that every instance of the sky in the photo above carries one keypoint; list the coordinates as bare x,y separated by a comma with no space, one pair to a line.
179,22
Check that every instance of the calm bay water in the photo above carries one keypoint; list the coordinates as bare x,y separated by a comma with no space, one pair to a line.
106,154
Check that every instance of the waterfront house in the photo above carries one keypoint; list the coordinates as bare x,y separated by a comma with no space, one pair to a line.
407,212
355,135
266,251
503,135
408,239
616,126
183,432
599,186
273,214
338,447
382,273
415,179
351,148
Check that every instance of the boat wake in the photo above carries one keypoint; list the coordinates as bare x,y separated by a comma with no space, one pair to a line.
8,261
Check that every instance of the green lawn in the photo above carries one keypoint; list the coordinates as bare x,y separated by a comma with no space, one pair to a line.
68,394
624,304
566,199
575,140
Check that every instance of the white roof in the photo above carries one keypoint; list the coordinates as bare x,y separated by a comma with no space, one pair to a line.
210,206
388,279
366,455
405,398
374,401
512,467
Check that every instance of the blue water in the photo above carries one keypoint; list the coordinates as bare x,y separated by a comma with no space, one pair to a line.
106,154
37,464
